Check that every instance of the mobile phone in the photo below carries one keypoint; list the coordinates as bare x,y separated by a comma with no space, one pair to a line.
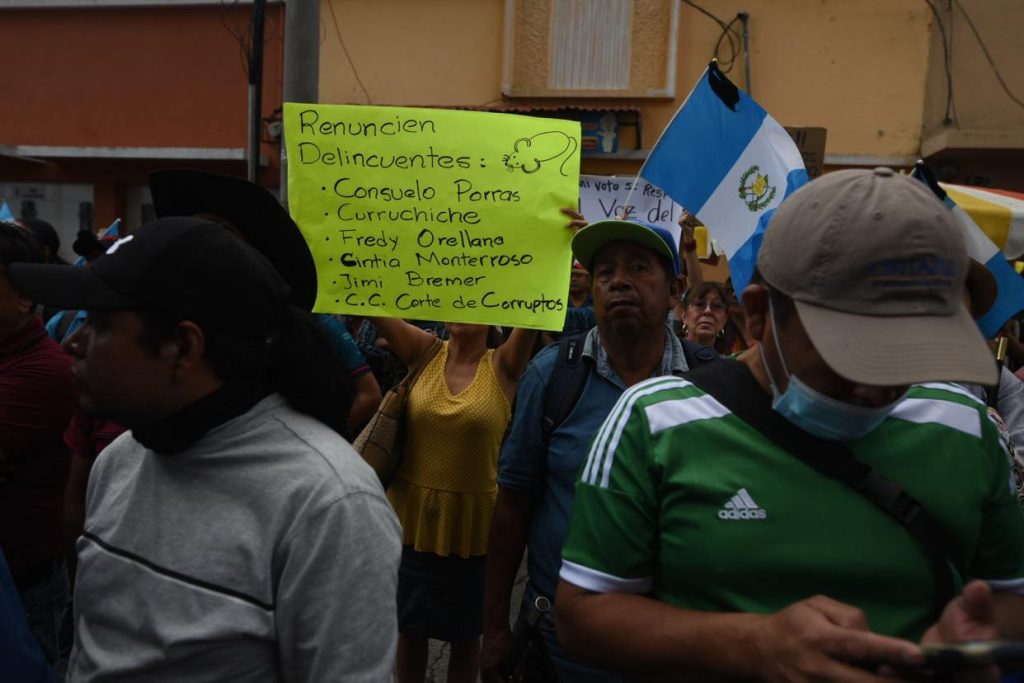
1008,654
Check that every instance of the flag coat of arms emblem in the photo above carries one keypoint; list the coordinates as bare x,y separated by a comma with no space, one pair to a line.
757,192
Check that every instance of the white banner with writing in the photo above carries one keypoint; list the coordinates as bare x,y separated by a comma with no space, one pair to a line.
605,197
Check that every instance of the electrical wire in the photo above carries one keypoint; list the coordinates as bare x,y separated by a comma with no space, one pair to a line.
271,29
724,64
984,49
341,41
947,60
243,38
728,32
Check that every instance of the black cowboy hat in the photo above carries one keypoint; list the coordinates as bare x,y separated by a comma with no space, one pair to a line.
257,214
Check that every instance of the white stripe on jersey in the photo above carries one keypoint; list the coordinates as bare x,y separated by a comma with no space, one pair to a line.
603,450
668,414
620,426
599,582
602,433
745,497
955,388
927,410
1007,585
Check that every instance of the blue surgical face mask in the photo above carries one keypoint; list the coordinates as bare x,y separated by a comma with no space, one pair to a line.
816,413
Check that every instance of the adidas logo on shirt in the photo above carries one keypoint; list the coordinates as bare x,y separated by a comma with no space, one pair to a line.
742,506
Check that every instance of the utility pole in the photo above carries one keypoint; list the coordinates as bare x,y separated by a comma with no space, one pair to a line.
259,15
745,18
301,64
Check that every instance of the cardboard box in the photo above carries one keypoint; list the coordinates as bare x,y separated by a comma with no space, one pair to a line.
811,143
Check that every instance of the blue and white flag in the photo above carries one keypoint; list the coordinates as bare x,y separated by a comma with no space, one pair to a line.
1009,285
730,164
113,230
5,212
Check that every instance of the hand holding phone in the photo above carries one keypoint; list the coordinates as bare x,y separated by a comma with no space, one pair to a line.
1007,654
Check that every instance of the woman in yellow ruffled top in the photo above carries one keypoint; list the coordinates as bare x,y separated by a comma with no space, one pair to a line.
445,488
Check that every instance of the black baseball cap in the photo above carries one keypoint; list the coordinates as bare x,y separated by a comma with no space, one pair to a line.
257,213
184,266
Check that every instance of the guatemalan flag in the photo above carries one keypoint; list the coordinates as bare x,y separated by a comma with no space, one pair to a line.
1009,285
730,164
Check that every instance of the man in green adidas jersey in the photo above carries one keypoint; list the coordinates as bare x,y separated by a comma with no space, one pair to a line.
698,547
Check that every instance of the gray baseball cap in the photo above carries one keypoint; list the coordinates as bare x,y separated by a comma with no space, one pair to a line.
876,265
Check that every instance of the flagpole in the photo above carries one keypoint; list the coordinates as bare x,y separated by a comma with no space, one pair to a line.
629,195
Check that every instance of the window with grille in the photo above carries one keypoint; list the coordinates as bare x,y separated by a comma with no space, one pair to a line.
590,48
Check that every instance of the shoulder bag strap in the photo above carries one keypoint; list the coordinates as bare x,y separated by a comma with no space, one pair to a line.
414,370
835,460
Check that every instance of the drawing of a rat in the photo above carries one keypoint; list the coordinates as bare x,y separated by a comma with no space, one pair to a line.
529,153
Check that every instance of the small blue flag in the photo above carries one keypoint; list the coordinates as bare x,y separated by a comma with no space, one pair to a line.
112,230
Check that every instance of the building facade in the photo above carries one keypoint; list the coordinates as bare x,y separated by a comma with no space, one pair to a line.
100,92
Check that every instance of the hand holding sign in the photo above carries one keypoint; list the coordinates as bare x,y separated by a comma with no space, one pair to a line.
576,220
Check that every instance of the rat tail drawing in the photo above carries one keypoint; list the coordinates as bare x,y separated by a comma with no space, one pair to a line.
568,155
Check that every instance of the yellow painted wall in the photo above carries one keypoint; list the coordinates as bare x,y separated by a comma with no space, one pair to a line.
981,104
856,67
412,52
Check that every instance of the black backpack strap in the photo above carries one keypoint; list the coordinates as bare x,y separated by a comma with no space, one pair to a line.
565,386
570,373
731,385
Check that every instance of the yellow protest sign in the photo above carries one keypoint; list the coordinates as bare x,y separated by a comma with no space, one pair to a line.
435,214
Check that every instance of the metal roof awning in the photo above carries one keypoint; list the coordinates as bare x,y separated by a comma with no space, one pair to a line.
11,152
957,140
46,153
509,108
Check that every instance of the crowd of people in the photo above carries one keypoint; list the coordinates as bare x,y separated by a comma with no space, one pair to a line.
811,479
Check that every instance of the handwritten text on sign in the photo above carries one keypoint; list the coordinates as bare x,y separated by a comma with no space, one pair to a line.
604,197
435,214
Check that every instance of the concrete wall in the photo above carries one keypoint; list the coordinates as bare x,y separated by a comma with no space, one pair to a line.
856,68
412,52
982,141
129,77
981,104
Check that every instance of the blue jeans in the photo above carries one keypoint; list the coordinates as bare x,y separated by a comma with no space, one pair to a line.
45,604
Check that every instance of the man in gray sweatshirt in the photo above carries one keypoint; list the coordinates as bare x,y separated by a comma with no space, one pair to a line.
231,534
